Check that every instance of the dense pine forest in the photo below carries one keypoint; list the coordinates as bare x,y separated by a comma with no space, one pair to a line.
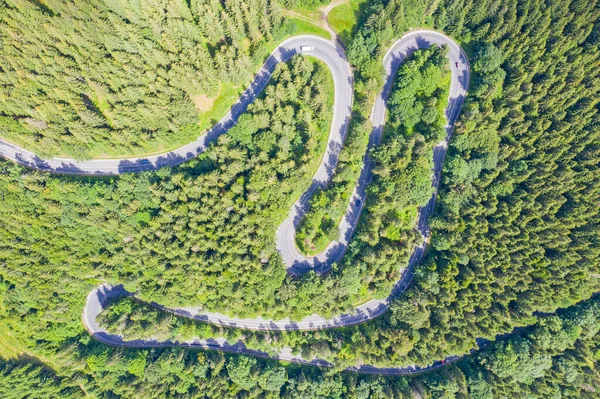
402,166
121,77
515,234
554,358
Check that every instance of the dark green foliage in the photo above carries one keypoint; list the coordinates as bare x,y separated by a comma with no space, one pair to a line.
516,226
204,233
558,357
515,231
517,222
403,161
26,379
522,364
239,371
201,233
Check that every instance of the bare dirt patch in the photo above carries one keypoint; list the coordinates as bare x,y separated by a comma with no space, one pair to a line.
203,102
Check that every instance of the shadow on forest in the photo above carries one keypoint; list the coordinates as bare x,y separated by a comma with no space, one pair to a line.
302,205
107,294
192,150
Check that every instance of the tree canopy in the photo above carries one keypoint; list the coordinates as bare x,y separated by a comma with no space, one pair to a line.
515,232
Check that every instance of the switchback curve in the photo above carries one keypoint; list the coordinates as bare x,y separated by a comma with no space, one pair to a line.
296,262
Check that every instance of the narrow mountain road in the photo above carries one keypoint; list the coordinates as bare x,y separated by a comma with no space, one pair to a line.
297,263
321,48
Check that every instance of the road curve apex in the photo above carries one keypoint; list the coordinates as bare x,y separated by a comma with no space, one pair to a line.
101,296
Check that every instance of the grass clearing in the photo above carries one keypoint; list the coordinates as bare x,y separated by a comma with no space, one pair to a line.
203,102
226,97
9,346
228,94
344,18
304,26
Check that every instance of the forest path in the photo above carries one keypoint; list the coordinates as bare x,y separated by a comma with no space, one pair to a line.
321,20
100,297
325,18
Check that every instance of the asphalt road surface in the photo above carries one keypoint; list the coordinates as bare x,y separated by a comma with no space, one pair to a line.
296,262
322,49
103,294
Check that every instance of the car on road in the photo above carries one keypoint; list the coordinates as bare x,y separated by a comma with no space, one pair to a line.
306,48
357,203
457,65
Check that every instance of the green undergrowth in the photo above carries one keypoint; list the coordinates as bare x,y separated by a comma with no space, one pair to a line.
345,17
515,222
514,234
309,28
402,162
199,234
555,357
523,356
140,83
305,7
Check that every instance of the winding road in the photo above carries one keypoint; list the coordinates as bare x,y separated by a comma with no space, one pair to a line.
296,262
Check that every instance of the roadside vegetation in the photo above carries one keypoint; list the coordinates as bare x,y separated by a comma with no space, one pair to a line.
212,220
515,231
516,220
344,18
110,79
309,27
307,7
402,163
555,357
515,227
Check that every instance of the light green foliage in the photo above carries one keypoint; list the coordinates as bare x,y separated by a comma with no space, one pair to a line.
344,18
516,362
518,365
239,370
26,379
213,220
121,77
272,378
303,26
420,95
320,225
515,233
403,161
489,75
